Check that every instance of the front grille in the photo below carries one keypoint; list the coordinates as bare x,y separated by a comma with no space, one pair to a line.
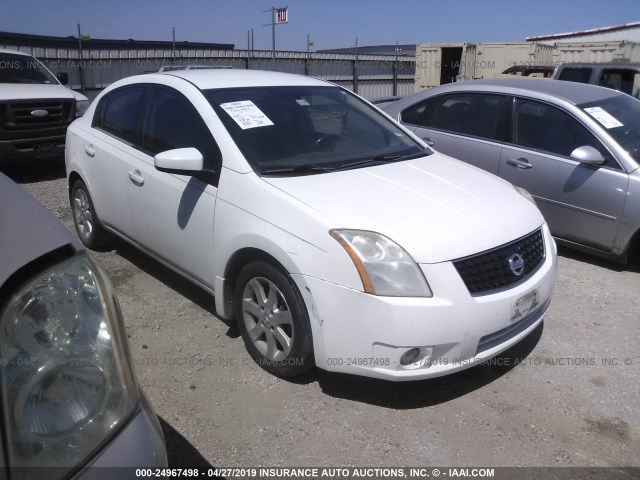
18,115
492,269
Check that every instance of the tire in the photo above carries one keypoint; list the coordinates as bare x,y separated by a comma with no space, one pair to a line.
273,320
90,231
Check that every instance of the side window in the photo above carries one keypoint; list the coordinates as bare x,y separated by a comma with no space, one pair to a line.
118,112
624,80
171,121
421,113
546,128
474,114
577,74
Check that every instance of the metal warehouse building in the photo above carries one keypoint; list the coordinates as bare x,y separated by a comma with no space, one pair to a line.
628,32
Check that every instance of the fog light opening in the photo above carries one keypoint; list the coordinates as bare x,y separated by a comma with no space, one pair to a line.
417,358
409,357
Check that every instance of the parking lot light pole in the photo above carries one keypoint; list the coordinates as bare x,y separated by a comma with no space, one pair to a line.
273,29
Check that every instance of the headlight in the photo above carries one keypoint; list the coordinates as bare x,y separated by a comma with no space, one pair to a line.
525,194
81,107
67,383
385,268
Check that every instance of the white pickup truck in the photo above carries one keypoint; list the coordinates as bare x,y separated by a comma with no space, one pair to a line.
35,108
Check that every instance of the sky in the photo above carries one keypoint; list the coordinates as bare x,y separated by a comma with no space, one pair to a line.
330,23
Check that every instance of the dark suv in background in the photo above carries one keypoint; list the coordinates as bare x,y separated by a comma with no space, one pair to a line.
624,77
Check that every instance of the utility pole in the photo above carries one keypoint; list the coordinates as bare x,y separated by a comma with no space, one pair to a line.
395,71
82,81
355,69
173,47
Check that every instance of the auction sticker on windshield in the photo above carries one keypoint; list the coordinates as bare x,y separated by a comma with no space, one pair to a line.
246,114
605,118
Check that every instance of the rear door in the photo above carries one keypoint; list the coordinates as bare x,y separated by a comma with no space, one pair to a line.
581,203
111,153
466,126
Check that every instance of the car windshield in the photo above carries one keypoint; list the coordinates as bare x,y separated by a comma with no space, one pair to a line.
23,69
620,116
305,129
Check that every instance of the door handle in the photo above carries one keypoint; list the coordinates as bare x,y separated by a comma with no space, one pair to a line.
521,163
428,141
90,151
136,178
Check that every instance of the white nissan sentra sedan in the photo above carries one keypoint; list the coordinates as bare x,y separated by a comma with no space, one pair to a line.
332,234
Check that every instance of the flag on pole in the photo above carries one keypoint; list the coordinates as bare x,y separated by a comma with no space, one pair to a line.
282,15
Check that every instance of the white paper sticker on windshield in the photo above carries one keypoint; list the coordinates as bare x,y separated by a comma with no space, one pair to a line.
246,114
606,119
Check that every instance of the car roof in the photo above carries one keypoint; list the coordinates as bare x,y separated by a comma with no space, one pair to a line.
15,52
599,64
572,92
228,78
28,230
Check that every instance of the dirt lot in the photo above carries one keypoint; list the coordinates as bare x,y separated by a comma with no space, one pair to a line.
566,396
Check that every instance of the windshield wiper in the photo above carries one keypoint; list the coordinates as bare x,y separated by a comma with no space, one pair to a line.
384,158
300,168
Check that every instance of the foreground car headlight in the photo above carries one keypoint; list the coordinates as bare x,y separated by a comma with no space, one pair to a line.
81,107
67,384
385,268
525,194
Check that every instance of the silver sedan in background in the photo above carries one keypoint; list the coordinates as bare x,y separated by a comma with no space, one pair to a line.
574,147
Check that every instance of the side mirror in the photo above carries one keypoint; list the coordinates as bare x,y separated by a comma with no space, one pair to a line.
587,155
63,78
183,161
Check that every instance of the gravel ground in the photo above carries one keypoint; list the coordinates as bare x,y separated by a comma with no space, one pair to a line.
565,396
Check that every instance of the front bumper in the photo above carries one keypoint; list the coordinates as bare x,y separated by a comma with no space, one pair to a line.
37,147
367,335
140,444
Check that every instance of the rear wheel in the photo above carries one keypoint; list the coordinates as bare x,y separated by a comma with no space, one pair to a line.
90,231
273,320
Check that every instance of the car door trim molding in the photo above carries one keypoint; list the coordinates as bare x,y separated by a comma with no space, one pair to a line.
497,143
573,207
160,259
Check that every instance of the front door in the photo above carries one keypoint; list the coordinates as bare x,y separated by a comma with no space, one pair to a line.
580,203
173,214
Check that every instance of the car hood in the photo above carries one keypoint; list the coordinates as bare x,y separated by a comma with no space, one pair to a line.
28,91
28,231
435,207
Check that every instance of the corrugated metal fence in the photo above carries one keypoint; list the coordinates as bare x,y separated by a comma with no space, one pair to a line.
371,76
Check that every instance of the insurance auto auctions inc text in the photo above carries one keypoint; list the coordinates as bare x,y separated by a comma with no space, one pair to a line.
355,472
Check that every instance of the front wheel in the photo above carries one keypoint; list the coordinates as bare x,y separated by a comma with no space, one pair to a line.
273,320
